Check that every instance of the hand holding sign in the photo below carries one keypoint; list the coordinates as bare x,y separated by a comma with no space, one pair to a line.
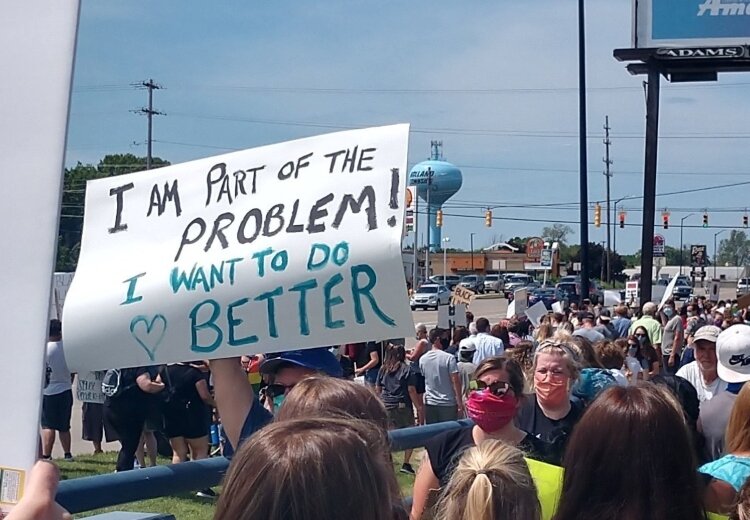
282,247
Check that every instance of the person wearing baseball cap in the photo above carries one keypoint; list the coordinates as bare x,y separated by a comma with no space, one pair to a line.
730,472
702,373
732,349
241,411
466,366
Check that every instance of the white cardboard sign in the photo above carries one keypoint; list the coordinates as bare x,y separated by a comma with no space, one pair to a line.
451,316
89,387
288,246
521,299
668,292
38,42
536,312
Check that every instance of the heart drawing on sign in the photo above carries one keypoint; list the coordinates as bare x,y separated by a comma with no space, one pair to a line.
150,334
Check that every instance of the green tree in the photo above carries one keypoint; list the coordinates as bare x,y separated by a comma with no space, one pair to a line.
597,259
74,196
734,250
557,233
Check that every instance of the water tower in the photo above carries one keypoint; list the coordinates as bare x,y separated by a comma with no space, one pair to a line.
436,181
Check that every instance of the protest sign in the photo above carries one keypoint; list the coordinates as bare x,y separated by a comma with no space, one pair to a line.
511,310
451,316
668,292
612,298
60,285
287,246
536,312
557,307
38,38
89,387
462,295
521,299
743,301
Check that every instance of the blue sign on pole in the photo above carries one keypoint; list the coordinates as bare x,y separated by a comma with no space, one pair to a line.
670,23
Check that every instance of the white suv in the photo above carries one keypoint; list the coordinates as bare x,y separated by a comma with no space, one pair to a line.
743,287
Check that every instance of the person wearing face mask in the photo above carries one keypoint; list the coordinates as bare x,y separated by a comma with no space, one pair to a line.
492,407
646,354
549,414
672,338
633,369
442,398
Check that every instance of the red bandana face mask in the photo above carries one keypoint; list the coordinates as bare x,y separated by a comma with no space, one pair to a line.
489,411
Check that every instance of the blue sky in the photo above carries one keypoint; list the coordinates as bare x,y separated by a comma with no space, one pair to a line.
495,81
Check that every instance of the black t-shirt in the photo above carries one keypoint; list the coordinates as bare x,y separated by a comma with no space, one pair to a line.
554,432
396,386
130,392
182,380
446,449
372,346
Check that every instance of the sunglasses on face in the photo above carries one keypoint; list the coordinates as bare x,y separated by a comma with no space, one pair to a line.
632,345
640,335
498,388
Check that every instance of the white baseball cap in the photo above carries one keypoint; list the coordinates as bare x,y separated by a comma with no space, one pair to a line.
733,354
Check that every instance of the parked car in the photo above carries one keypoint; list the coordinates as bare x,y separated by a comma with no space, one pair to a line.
450,281
683,290
546,296
596,291
513,282
493,283
530,287
430,296
473,282
567,293
743,287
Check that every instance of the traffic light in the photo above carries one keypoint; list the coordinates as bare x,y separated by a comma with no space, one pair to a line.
439,218
665,218
744,220
598,215
622,219
705,220
488,218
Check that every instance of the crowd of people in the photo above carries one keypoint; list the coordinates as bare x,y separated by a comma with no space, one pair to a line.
647,416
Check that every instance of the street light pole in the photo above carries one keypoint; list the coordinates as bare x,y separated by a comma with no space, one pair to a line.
716,258
682,223
471,238
445,258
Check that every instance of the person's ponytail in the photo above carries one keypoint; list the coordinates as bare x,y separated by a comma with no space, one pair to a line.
479,498
491,482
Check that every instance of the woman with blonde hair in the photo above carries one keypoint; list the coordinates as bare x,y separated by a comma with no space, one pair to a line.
544,331
549,414
730,472
491,482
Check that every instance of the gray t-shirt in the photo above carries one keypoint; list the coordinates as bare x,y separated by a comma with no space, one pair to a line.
437,367
714,418
466,373
673,326
590,334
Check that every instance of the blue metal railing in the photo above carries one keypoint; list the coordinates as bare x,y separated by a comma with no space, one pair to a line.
88,493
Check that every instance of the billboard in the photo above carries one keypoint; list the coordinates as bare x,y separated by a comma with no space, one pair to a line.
698,256
691,23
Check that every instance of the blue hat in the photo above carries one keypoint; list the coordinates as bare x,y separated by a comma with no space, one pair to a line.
591,382
319,359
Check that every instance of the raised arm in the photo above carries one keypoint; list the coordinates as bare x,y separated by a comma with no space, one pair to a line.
233,394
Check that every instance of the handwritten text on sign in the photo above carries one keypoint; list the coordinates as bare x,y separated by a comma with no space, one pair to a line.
282,247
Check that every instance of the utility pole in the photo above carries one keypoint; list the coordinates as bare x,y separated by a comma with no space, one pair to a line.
415,276
429,211
583,159
149,112
608,174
